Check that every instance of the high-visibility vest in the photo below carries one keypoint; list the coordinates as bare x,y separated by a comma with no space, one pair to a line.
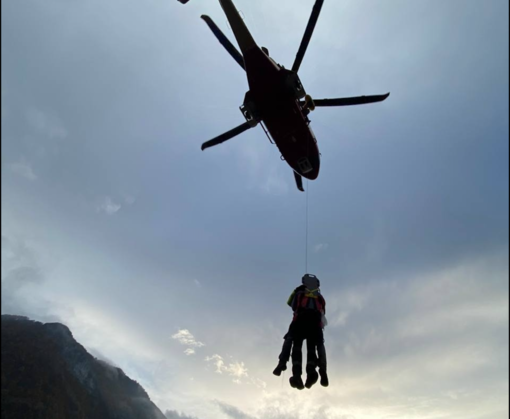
310,300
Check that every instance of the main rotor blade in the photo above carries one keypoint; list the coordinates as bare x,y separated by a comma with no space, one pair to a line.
231,49
227,135
308,34
348,101
299,181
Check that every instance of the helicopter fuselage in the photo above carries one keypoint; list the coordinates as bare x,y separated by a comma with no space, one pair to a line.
273,99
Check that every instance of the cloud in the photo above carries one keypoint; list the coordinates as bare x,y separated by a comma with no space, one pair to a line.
321,247
233,369
184,337
129,199
23,273
444,333
286,406
19,264
101,357
24,169
197,283
173,414
217,360
45,124
108,206
275,184
257,382
233,412
264,173
393,193
237,369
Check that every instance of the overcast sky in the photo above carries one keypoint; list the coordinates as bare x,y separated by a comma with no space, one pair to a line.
175,264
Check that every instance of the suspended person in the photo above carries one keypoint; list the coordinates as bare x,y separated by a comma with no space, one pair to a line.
309,312
308,306
288,338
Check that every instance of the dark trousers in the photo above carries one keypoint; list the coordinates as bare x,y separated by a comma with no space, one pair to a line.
306,327
286,349
315,354
318,359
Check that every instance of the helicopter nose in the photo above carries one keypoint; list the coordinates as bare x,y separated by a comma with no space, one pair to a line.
314,174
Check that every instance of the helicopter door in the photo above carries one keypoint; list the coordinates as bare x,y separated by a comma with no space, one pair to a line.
294,85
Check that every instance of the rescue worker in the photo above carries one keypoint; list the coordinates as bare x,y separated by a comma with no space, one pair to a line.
308,306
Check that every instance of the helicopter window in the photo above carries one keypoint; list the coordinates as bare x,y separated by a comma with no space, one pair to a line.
304,165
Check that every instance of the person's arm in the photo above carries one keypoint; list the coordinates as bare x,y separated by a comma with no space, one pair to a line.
291,298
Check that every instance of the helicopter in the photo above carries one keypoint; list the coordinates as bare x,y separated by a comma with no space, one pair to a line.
276,98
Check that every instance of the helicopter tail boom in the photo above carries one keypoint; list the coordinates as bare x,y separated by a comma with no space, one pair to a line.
241,32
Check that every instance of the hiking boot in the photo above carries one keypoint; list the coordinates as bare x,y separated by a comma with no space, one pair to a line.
324,378
279,368
296,382
311,378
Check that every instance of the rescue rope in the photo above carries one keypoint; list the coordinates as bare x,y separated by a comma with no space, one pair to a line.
306,229
306,221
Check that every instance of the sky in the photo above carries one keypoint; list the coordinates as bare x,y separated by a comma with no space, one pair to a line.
175,264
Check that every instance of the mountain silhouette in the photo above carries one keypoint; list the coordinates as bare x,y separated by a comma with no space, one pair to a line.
47,374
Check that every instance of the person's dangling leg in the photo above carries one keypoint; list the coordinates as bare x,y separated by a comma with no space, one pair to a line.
323,364
285,354
297,364
311,362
